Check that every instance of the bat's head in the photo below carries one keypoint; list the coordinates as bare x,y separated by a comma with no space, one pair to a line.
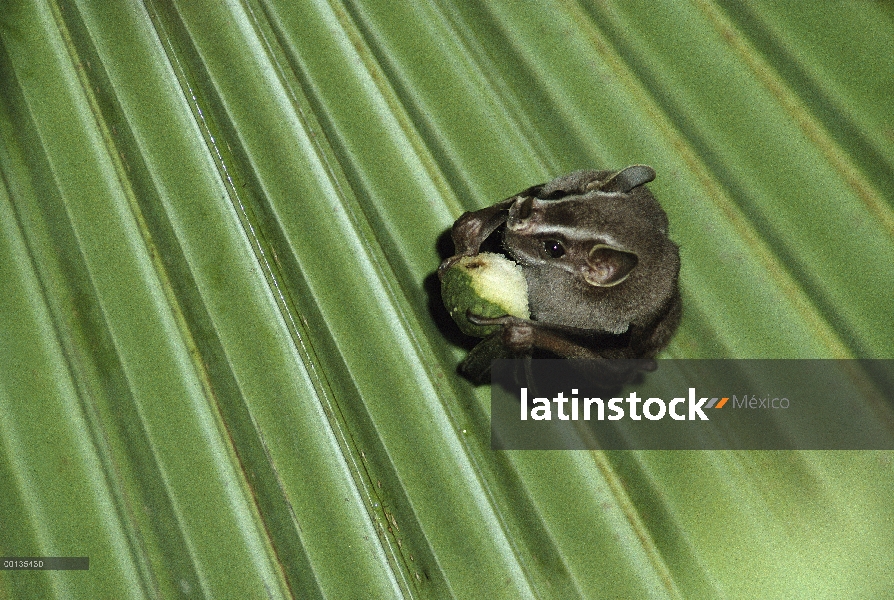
594,247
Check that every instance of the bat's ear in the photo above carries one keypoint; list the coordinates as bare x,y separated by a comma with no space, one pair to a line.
607,266
625,180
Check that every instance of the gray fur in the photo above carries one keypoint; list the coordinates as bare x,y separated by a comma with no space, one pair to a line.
584,301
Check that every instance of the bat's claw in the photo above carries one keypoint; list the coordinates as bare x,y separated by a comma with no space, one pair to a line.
480,320
449,262
517,334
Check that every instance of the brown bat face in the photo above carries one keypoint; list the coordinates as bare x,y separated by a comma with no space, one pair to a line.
594,258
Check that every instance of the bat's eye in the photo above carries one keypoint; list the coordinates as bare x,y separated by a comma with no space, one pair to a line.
554,248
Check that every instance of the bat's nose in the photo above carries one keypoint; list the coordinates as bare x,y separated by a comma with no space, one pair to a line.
520,214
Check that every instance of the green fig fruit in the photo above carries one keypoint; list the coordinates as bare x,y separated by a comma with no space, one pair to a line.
488,285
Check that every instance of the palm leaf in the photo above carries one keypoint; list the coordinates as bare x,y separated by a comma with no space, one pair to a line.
224,371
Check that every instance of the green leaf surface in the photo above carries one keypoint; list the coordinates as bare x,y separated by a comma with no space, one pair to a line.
224,367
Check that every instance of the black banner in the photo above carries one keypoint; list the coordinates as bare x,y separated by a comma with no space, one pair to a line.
765,404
